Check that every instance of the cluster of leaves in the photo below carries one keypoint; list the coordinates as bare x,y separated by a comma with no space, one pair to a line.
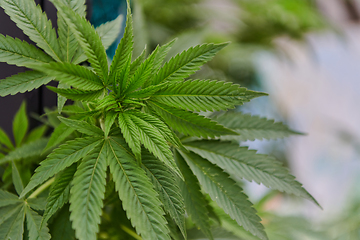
142,120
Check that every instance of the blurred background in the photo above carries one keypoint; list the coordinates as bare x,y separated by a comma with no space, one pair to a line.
304,53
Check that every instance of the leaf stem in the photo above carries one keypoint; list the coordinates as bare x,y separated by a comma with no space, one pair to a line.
130,232
42,188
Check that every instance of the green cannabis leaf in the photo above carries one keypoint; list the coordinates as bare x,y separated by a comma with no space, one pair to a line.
136,134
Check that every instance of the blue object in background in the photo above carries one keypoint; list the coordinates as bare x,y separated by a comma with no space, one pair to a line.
102,11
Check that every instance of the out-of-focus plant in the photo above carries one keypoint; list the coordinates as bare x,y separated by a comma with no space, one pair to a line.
251,25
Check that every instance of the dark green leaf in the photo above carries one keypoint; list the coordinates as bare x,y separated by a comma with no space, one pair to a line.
28,150
19,186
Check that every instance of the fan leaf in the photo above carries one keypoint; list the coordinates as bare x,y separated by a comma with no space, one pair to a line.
88,39
131,134
226,193
76,94
166,185
204,95
23,82
7,198
124,49
82,127
88,192
36,230
34,23
195,202
60,192
152,138
136,192
252,127
20,124
244,163
61,158
189,123
27,150
186,63
13,227
74,75
20,53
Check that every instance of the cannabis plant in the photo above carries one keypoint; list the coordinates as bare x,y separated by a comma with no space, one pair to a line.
139,130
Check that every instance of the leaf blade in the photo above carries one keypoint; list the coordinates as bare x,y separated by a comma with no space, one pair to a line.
76,94
244,163
88,39
186,63
23,82
20,53
61,158
204,95
82,127
143,207
34,23
252,127
226,193
189,123
166,185
87,194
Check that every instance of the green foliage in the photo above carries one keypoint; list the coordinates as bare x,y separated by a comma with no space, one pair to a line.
141,119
